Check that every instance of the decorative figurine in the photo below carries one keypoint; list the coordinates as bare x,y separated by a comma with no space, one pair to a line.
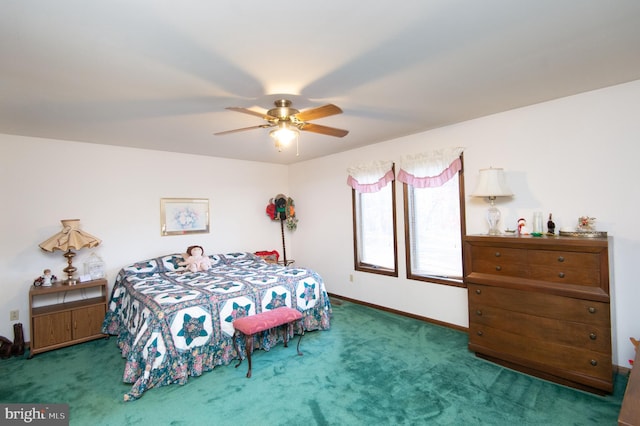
46,279
522,226
551,227
586,223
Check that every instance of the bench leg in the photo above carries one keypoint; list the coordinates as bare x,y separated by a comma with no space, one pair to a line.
289,329
235,346
248,344
286,329
300,339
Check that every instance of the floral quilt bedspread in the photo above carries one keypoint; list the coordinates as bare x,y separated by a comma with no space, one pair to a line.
173,324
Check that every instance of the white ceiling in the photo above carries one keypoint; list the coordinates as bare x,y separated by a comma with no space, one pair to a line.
158,74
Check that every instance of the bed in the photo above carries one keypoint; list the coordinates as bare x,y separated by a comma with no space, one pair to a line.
172,323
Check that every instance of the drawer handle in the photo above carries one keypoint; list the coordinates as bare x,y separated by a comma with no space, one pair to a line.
560,258
592,310
498,268
478,291
498,254
592,336
480,333
561,274
594,362
479,312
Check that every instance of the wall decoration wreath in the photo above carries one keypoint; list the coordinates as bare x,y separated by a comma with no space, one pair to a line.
283,208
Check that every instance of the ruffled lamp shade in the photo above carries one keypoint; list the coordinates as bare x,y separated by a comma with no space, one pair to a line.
70,238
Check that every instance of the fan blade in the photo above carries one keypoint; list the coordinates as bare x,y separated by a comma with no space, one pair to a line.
331,131
261,126
250,112
315,113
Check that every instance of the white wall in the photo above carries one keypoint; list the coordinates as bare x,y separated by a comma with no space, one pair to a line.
574,156
116,192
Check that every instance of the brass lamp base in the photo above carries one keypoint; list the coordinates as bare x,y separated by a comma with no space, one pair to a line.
70,269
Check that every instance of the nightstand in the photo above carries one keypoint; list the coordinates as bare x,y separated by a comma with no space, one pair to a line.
64,323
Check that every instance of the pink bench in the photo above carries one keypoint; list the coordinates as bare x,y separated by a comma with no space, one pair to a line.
261,322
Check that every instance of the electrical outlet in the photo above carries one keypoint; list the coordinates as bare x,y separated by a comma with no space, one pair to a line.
351,277
14,315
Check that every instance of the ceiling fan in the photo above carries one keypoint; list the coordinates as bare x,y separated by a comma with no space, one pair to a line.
289,121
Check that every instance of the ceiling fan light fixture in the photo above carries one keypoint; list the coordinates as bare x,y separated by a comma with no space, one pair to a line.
288,122
284,135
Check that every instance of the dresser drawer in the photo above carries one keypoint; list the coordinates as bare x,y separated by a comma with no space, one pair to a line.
585,336
499,261
564,361
560,274
566,259
541,304
564,267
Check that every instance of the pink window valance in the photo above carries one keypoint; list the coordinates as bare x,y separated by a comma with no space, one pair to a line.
370,177
430,169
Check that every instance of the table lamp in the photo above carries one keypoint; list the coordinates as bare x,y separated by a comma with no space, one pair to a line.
492,183
71,237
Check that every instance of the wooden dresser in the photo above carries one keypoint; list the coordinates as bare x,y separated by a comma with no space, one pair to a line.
540,305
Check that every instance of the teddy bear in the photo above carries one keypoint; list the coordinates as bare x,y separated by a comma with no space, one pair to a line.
195,260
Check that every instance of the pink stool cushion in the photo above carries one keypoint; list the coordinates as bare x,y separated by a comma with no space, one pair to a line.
266,320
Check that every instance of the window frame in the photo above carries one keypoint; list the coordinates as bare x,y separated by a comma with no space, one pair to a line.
455,282
367,267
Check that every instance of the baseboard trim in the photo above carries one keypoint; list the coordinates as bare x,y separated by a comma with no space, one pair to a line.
621,370
398,312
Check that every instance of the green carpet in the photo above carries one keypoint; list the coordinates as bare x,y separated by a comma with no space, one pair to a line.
371,368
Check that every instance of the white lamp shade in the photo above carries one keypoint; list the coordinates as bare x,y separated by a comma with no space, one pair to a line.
492,183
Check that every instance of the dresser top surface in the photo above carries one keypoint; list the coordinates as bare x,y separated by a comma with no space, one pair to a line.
544,240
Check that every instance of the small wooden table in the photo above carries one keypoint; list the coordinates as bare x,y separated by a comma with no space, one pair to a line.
68,314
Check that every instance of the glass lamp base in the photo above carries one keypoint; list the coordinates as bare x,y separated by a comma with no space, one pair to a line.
493,217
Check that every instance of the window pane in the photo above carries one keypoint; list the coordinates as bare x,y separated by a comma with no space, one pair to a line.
435,231
376,242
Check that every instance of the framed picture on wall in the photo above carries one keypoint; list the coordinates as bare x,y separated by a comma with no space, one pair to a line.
181,216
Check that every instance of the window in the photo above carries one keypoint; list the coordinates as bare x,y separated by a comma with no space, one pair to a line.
433,213
374,218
